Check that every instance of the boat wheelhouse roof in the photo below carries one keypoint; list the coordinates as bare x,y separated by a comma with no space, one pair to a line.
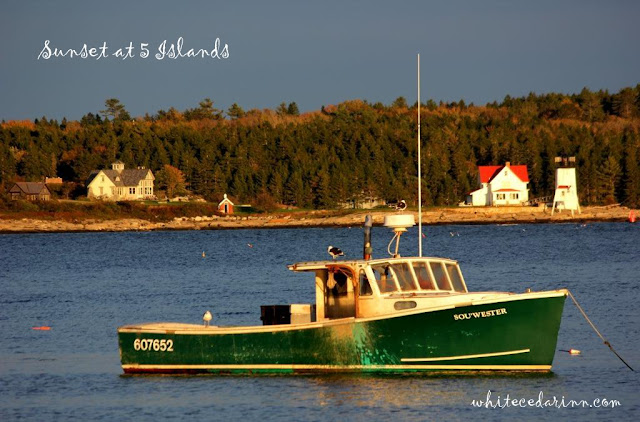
319,265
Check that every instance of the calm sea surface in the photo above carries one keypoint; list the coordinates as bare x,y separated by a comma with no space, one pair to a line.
85,285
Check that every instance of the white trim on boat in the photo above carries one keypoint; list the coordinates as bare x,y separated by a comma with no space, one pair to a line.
338,368
482,355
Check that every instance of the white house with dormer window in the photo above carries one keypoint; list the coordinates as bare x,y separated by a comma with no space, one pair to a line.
500,185
120,184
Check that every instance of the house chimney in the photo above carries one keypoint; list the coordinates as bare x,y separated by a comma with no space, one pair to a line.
507,164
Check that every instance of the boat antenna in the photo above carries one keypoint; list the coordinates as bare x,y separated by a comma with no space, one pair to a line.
419,172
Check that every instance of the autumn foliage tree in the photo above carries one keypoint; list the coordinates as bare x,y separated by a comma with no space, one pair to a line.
171,180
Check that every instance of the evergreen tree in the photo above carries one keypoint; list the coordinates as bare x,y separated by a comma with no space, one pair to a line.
115,109
624,103
282,109
631,171
292,109
235,112
206,110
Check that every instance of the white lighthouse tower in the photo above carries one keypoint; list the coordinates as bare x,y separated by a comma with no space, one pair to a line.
566,196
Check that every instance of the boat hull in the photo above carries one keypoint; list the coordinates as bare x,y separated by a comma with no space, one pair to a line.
518,334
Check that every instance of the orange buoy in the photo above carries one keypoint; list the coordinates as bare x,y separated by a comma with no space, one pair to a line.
41,328
632,216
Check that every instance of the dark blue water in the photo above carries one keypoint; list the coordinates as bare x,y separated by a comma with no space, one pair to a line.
85,285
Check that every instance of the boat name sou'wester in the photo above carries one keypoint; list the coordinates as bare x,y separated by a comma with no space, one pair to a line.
484,314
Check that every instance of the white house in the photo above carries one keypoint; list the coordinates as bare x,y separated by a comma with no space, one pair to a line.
501,185
120,184
566,195
362,201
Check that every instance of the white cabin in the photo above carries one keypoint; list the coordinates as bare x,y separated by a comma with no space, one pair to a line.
367,288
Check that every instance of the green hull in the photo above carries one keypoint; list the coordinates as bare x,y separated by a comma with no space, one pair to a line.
507,335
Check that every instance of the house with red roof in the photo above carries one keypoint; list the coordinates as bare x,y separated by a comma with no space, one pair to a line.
501,185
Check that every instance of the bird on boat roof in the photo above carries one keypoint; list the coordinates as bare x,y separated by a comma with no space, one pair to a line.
206,318
401,205
335,252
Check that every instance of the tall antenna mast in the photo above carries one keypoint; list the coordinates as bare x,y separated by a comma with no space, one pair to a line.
419,172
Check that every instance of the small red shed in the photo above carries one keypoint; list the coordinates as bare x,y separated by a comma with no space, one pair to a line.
225,206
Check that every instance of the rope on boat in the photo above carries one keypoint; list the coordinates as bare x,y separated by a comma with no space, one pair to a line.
596,330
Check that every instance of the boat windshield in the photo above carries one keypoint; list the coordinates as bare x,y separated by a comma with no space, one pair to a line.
402,273
384,278
440,276
412,276
454,276
422,274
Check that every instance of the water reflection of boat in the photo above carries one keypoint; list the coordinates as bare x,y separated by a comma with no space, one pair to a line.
392,314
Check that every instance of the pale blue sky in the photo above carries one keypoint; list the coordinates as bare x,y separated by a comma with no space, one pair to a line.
314,53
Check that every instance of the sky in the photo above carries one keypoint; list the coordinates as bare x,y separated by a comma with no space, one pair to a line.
313,53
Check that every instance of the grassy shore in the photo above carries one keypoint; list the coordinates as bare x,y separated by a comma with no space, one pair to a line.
76,216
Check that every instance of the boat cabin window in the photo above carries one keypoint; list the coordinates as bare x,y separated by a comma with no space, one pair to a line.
337,283
440,276
454,276
365,287
422,274
384,278
404,276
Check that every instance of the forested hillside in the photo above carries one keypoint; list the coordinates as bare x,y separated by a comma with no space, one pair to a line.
355,148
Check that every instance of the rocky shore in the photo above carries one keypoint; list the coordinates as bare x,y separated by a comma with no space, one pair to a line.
430,216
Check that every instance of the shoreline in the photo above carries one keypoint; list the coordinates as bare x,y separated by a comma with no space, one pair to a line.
430,216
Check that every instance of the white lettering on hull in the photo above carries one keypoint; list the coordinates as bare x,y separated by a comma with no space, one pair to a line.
481,314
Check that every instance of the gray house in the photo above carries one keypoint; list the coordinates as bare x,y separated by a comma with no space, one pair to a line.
31,191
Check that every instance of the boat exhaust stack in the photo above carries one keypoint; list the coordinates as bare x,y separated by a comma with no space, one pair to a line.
368,250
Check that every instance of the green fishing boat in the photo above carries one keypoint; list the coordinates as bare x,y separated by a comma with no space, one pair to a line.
391,315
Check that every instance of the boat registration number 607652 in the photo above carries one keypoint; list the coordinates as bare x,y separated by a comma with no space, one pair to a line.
164,345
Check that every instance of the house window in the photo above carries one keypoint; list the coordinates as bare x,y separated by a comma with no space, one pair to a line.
515,195
132,191
500,196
